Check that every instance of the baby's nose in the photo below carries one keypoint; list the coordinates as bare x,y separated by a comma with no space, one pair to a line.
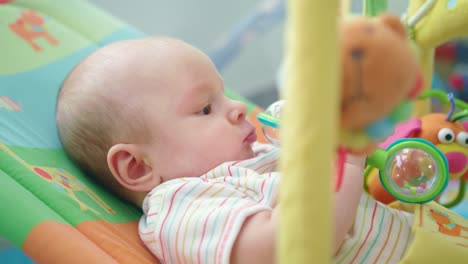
237,112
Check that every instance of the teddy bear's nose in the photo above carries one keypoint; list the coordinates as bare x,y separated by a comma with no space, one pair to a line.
357,53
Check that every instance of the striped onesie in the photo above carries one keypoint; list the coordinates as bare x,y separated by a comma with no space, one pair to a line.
380,234
197,220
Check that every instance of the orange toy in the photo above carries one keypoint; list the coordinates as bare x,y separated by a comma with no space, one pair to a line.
380,76
380,72
446,133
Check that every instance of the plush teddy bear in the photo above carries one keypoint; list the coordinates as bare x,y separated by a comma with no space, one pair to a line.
380,75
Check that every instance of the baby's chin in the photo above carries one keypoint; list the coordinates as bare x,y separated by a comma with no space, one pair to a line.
244,153
247,153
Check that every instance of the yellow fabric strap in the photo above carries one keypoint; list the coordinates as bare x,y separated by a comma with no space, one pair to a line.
311,111
440,236
443,21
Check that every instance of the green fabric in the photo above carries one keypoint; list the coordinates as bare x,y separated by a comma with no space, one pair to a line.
78,15
65,189
29,146
20,211
37,181
65,22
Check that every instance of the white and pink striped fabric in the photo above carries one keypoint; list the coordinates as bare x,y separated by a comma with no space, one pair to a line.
196,220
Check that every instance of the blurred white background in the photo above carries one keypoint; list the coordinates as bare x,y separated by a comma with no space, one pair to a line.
253,72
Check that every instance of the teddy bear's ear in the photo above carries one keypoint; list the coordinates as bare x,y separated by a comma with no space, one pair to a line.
394,23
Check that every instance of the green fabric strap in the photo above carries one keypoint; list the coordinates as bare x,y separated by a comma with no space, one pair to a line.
374,7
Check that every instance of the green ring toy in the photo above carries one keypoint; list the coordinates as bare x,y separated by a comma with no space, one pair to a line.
411,170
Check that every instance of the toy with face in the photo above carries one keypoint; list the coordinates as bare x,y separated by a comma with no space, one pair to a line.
447,134
451,138
380,72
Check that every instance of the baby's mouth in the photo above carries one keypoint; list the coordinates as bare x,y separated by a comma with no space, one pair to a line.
251,137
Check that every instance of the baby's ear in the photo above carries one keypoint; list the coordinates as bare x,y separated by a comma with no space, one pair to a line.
128,166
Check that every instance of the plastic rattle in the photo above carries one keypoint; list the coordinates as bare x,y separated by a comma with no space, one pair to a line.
412,170
270,119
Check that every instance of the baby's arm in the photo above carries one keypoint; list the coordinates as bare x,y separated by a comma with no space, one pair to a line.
347,199
256,240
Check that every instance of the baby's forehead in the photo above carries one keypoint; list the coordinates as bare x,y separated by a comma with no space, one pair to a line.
151,57
137,67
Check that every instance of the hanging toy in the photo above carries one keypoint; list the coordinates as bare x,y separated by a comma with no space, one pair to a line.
448,132
377,87
411,170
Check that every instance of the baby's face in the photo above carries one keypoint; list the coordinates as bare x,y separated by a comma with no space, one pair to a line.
193,126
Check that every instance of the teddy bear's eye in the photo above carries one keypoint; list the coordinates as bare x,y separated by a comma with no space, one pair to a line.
357,53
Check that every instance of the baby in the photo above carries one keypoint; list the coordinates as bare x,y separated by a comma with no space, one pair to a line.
149,119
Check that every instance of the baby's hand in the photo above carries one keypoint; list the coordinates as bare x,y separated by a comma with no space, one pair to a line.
358,161
347,198
275,198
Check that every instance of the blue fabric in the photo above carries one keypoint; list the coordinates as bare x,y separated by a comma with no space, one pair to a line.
12,255
34,126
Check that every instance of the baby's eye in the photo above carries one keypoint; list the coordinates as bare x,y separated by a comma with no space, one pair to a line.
206,110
